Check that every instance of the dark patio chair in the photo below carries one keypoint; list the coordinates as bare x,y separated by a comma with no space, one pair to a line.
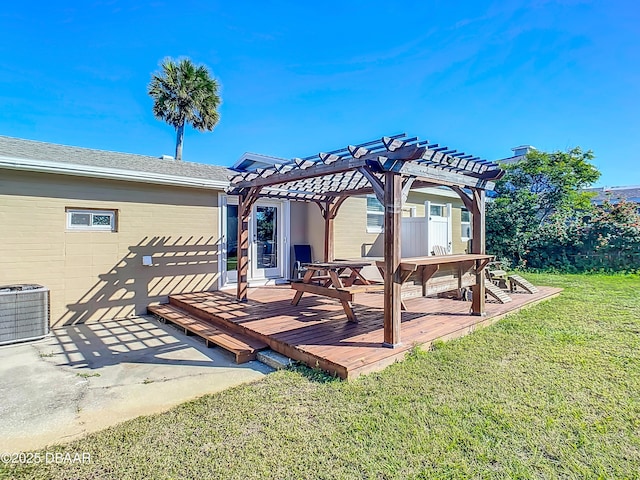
301,254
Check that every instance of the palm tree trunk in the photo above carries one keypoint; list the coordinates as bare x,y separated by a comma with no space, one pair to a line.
179,141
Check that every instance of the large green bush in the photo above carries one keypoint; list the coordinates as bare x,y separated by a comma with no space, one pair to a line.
542,218
607,240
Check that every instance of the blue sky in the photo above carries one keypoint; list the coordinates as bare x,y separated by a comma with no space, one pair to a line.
302,77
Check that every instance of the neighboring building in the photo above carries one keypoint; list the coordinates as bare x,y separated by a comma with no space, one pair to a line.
616,194
518,154
84,223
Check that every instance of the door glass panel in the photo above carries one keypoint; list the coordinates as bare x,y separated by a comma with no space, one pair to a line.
232,237
437,211
267,236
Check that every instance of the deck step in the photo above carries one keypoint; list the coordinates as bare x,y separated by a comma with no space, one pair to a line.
497,293
242,347
522,283
274,359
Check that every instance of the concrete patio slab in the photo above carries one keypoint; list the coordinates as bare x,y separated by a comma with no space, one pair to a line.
87,377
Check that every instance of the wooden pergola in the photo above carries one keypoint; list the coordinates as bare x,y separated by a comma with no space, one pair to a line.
388,168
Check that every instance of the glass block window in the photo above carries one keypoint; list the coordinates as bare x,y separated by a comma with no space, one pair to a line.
375,215
100,220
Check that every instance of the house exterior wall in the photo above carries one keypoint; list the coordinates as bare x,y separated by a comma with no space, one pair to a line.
94,275
315,231
352,239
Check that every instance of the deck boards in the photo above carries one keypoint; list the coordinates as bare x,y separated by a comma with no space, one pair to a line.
242,347
317,332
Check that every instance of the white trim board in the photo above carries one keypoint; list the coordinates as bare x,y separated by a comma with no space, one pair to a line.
44,166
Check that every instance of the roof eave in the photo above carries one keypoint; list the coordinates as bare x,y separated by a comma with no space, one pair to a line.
43,166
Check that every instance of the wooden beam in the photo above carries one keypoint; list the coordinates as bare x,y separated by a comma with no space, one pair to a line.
428,271
393,144
300,287
357,152
432,163
443,177
368,190
466,199
376,184
329,210
344,164
478,246
328,158
335,206
392,280
245,202
249,197
407,182
329,253
443,156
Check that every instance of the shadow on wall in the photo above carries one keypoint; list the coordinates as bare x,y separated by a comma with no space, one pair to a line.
375,249
179,265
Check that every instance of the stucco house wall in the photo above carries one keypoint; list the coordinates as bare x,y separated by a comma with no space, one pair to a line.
96,275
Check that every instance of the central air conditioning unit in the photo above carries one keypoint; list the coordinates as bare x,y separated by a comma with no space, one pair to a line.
24,313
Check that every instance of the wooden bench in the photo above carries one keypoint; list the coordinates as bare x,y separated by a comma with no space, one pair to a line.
315,279
242,347
353,289
344,294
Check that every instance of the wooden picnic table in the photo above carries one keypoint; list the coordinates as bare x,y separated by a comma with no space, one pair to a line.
328,279
440,273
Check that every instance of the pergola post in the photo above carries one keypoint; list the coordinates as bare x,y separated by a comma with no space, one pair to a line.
392,280
329,210
329,254
243,248
246,200
478,246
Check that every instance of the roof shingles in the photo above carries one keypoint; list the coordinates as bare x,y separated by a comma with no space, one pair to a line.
33,150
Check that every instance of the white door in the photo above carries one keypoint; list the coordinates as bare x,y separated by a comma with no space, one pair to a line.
268,232
266,258
439,225
414,237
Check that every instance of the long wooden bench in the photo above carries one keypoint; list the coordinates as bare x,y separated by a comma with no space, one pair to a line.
242,347
353,289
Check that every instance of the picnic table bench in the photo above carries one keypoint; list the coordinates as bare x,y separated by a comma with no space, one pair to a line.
330,280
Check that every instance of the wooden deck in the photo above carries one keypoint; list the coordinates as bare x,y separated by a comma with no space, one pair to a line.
316,331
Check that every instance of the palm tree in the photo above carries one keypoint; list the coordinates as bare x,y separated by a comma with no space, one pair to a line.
185,93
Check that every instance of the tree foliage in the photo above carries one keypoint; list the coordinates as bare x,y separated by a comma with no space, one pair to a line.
541,216
185,93
536,192
552,182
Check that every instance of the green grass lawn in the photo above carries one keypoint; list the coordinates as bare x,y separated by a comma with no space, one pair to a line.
551,392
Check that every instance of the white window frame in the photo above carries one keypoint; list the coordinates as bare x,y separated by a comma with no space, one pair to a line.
376,228
91,228
462,226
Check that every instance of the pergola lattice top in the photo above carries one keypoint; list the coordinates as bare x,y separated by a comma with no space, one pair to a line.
358,169
389,168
